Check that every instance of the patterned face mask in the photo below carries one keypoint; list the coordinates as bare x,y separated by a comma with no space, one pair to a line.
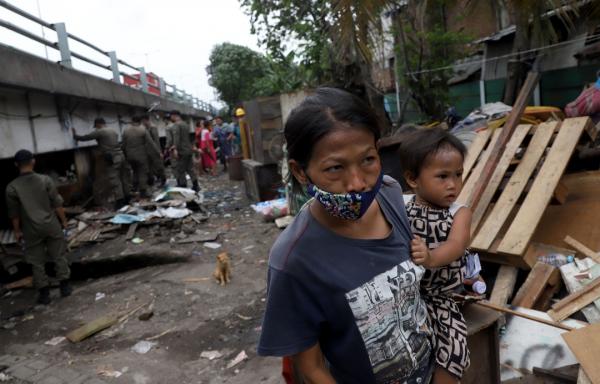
348,206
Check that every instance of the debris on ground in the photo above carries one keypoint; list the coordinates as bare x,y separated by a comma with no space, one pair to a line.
143,347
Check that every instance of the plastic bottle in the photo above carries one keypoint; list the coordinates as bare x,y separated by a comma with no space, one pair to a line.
478,285
473,280
556,259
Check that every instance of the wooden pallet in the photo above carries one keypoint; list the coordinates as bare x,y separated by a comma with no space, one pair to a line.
502,231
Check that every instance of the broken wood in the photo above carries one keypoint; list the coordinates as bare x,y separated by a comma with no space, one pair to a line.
569,273
521,231
131,231
507,131
563,377
92,328
576,301
585,345
523,315
582,249
505,285
26,282
538,289
561,193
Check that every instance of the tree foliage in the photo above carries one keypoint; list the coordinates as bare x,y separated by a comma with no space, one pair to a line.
234,71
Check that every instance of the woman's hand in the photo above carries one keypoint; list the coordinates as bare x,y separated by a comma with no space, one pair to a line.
419,251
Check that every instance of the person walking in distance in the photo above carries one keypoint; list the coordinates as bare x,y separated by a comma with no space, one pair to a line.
118,173
157,167
224,134
139,148
38,219
182,150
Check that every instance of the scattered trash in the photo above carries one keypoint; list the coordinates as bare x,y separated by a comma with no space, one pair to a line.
238,359
137,240
212,245
174,213
243,317
124,218
142,347
4,377
211,355
284,221
272,209
109,373
556,259
27,318
55,341
100,296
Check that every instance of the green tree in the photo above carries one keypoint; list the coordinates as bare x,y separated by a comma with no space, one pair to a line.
234,70
332,40
422,42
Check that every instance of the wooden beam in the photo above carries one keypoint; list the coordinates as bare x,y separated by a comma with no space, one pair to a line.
131,231
505,284
523,315
523,226
561,193
585,345
576,301
513,190
541,284
582,249
509,127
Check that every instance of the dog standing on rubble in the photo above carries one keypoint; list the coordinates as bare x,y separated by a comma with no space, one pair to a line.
222,272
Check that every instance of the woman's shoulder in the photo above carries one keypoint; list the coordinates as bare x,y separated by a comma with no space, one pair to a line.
290,241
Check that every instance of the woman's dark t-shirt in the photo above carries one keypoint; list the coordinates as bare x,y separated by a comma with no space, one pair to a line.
359,299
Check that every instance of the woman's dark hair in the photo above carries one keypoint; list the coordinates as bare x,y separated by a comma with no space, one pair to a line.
418,146
318,115
205,124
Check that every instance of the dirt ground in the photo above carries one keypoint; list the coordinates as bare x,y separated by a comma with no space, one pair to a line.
188,317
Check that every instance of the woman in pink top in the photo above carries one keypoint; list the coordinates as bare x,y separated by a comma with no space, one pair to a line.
209,156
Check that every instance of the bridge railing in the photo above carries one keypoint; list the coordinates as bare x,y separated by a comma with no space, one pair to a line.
169,91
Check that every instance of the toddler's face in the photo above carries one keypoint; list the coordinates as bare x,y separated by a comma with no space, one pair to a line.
440,180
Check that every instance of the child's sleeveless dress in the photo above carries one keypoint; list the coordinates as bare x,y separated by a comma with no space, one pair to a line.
433,226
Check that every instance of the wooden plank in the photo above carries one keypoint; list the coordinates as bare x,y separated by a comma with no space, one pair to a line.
131,231
476,173
520,232
92,328
541,284
498,174
474,151
582,249
573,284
585,345
504,285
576,301
499,214
583,378
507,131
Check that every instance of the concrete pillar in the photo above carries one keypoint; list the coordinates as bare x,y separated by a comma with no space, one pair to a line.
63,45
162,86
114,66
143,79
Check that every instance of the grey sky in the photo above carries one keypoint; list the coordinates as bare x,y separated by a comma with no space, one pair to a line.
172,38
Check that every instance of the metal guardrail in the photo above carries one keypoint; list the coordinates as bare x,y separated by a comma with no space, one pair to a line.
169,91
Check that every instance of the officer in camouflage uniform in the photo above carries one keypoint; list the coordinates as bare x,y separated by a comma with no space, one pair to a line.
119,174
183,152
34,207
157,167
139,147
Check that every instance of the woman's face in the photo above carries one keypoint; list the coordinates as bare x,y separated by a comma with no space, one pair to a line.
345,160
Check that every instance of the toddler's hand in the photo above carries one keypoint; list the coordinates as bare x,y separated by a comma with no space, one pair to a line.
419,251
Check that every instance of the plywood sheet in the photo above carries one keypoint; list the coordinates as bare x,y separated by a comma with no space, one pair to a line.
585,345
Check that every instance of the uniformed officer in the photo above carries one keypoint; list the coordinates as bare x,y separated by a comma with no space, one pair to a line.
139,147
35,207
157,167
119,174
183,152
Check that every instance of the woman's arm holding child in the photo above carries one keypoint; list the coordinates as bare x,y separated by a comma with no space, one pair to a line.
451,249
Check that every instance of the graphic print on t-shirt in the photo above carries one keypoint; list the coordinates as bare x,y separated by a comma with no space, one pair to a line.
392,321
